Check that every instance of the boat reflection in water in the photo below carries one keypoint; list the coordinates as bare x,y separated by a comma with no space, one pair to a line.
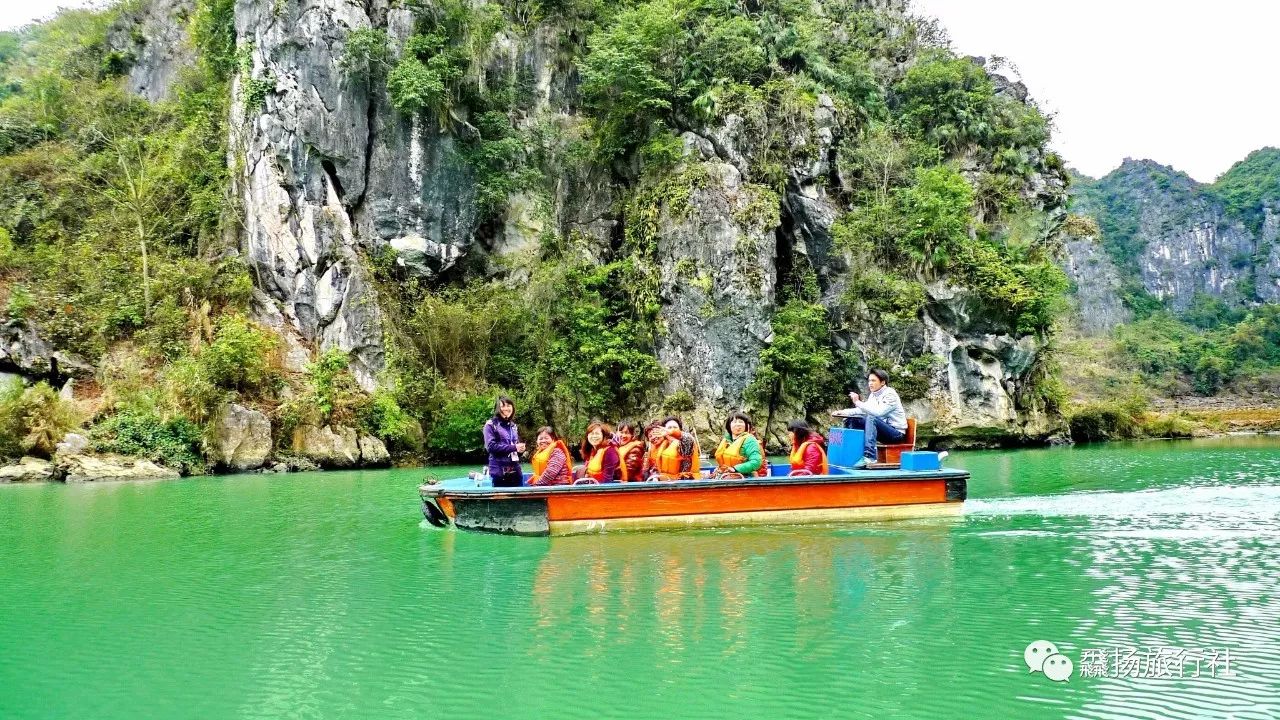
704,590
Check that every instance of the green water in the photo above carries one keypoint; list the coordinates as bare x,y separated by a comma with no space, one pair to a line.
325,596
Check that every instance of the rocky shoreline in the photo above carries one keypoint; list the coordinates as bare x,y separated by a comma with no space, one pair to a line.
240,442
82,466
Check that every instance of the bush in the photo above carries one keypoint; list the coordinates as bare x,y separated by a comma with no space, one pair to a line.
1106,420
174,443
334,391
365,53
239,358
1170,426
796,365
383,417
947,100
33,419
457,433
628,74
189,390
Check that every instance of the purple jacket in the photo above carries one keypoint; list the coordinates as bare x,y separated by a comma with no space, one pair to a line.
500,438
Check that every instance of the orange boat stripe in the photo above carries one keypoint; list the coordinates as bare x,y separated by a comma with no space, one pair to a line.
673,501
446,505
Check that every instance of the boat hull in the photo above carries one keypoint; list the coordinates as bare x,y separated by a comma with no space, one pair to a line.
857,496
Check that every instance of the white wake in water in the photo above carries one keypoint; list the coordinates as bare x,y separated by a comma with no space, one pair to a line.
1245,502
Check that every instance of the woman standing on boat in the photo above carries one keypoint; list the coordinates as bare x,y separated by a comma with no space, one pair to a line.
551,459
807,454
631,450
502,442
600,455
739,451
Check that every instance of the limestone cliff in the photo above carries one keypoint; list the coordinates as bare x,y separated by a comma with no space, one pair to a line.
1175,237
329,174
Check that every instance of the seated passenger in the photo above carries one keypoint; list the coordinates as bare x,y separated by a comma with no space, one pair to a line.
631,450
882,416
689,449
657,437
674,454
600,456
739,451
807,452
550,460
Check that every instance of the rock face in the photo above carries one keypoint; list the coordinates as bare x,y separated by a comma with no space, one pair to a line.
717,284
152,39
241,439
330,175
108,468
25,352
304,154
1177,238
1097,282
338,447
982,368
28,469
72,444
372,452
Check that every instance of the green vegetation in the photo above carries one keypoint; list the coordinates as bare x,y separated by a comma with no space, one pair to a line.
1250,185
455,434
174,442
330,395
115,212
797,365
1175,356
568,347
32,419
1127,419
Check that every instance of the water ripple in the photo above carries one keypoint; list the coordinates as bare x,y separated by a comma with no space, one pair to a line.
324,596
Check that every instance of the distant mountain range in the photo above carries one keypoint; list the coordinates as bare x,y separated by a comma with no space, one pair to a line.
1163,238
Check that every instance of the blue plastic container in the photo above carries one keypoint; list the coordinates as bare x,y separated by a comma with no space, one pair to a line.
921,460
844,446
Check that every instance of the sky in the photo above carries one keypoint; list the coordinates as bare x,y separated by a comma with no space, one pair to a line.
16,13
1187,84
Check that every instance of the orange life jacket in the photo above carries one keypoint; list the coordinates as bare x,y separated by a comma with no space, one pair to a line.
622,460
797,457
666,457
729,455
542,457
595,465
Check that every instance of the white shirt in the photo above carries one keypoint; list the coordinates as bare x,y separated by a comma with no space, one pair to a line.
885,403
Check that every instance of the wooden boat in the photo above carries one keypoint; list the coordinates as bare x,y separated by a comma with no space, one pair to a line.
843,495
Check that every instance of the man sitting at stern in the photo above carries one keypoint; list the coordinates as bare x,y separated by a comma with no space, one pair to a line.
882,415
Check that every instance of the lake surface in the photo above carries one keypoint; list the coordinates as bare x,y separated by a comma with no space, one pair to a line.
325,596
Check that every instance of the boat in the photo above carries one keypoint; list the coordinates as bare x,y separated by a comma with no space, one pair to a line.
843,495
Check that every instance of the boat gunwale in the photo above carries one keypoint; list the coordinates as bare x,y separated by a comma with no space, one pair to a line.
856,476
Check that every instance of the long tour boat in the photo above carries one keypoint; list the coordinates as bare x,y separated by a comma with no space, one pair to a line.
915,487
